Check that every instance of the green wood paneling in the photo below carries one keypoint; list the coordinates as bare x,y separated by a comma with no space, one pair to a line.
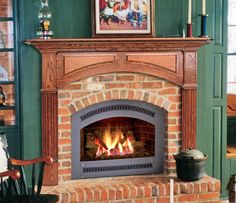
72,18
30,76
170,25
204,106
13,140
211,115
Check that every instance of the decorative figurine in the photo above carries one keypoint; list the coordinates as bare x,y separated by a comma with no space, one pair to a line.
44,16
3,74
2,97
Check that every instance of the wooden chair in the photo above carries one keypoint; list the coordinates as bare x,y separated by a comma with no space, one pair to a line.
13,175
17,188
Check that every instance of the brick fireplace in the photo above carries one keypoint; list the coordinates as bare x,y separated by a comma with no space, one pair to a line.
78,74
119,86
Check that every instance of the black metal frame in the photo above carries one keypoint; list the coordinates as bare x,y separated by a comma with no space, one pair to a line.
116,167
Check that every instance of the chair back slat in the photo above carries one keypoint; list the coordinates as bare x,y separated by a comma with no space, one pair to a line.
8,184
16,187
2,191
4,188
33,179
24,187
40,179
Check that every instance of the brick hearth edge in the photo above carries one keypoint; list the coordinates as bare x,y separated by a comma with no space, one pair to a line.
136,189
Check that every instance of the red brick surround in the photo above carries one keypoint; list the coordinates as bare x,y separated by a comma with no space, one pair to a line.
128,86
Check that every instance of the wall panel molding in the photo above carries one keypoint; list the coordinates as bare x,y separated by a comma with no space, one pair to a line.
217,73
217,134
218,22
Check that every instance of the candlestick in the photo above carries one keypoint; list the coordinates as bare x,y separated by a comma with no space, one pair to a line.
171,190
183,34
189,29
203,7
203,25
189,11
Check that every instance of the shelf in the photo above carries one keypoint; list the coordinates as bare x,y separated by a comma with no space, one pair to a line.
7,50
7,82
6,128
231,152
7,107
231,155
6,19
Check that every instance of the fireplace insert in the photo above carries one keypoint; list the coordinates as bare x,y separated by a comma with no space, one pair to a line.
118,137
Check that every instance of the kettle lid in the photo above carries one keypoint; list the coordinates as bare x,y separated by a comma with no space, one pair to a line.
190,153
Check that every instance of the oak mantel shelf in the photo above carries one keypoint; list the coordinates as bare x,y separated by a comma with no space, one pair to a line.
119,44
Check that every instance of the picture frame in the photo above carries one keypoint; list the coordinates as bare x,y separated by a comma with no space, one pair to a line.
123,18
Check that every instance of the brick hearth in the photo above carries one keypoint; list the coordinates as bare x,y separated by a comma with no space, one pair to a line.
136,189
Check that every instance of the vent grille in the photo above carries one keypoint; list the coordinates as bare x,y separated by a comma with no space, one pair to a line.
116,168
117,107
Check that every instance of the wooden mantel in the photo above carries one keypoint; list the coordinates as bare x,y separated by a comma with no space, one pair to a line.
68,60
118,44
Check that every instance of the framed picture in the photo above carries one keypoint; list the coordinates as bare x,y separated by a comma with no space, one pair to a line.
123,18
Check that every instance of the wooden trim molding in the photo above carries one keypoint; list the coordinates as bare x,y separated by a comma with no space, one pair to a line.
72,67
47,160
68,60
50,135
118,44
188,118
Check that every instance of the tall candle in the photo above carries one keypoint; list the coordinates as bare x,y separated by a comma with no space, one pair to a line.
171,190
189,11
203,7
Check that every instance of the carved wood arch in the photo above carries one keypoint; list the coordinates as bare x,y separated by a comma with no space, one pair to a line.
72,67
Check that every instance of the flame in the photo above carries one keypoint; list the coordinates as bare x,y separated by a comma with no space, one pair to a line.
130,146
113,141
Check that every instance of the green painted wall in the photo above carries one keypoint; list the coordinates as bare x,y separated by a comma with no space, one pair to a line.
71,19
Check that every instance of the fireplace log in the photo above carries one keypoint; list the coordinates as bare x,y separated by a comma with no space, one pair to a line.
123,140
129,135
95,136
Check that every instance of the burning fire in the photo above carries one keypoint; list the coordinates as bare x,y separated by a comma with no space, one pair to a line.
113,143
